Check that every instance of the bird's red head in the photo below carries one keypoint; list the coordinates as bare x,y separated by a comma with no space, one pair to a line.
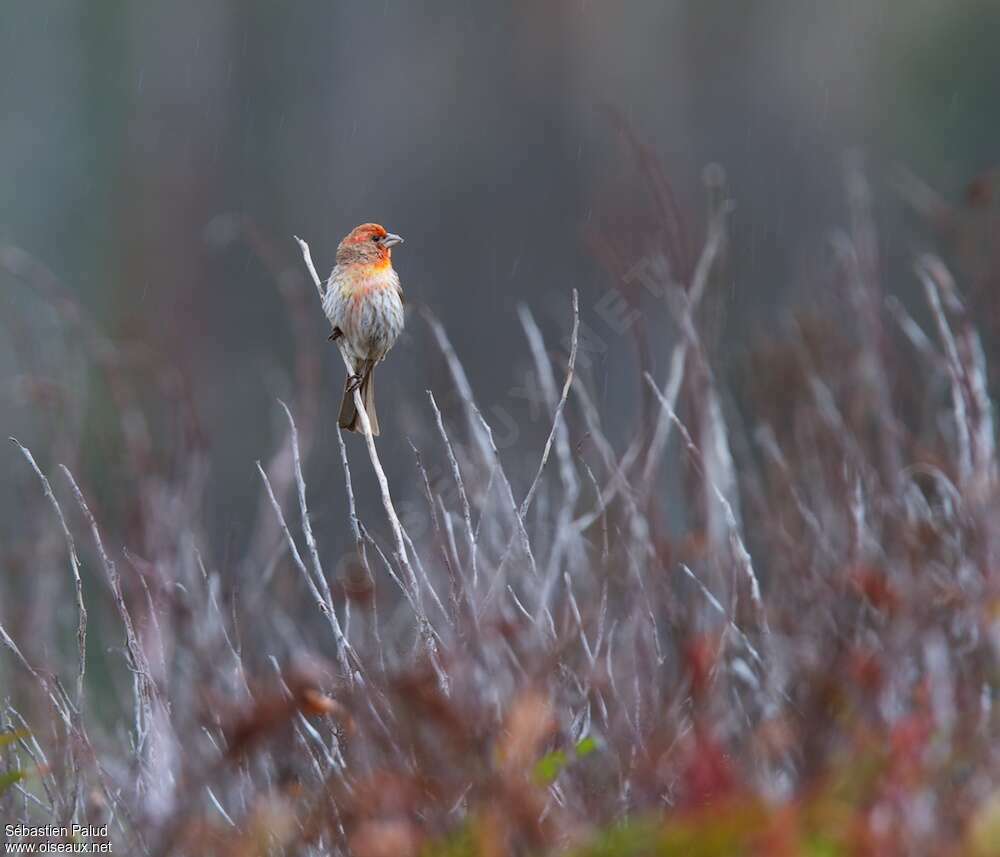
367,244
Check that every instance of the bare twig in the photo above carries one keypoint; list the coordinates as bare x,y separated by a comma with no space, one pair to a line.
460,485
556,418
317,566
74,564
661,433
307,256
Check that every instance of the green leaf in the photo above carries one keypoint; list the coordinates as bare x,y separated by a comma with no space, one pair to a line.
587,746
819,846
631,839
549,766
11,777
10,737
984,831
463,842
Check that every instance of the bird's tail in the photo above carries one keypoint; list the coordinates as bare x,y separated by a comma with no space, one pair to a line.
348,413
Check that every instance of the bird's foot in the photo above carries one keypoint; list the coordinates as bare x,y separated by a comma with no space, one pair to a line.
353,382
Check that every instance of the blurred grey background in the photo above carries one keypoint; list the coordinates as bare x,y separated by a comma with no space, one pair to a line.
135,135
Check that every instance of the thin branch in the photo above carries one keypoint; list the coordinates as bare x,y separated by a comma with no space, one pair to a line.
713,244
462,496
317,566
307,256
526,503
927,267
522,510
740,553
74,563
143,684
324,607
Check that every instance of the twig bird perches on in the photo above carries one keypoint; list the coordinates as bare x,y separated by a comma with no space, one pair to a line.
364,302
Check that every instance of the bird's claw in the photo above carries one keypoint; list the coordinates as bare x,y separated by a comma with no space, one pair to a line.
353,382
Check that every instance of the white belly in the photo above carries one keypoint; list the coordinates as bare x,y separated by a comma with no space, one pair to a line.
368,310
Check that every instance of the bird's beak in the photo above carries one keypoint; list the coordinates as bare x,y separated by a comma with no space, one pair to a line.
391,240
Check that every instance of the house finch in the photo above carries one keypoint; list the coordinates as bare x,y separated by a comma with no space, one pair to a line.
364,303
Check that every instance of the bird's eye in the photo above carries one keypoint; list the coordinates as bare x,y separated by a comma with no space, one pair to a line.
375,238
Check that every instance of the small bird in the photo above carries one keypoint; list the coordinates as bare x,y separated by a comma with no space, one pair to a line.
364,303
